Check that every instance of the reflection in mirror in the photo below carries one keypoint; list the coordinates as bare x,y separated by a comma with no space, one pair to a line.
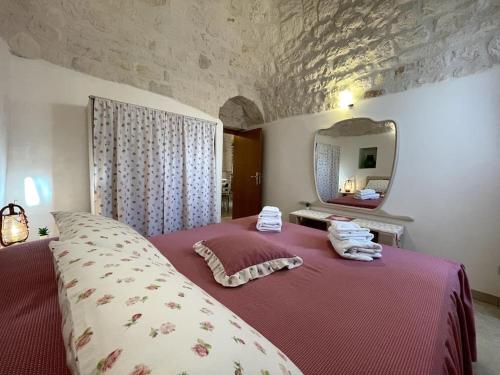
354,162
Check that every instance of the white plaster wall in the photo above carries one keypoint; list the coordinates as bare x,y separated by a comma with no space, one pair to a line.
447,177
349,157
48,133
4,84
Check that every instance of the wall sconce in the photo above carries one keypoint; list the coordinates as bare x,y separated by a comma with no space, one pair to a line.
348,186
13,225
345,99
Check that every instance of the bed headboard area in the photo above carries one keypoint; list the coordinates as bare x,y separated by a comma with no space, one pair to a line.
369,178
378,183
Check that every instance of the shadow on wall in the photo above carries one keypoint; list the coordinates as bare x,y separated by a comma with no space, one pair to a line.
70,157
240,113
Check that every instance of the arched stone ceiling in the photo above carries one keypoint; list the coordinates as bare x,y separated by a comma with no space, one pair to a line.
293,56
240,113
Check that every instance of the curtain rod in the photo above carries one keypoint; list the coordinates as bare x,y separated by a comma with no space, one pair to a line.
93,97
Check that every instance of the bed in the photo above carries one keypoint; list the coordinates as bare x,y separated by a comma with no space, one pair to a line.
408,313
349,200
378,183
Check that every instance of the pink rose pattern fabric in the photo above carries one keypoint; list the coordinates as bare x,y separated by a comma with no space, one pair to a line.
153,170
114,327
83,227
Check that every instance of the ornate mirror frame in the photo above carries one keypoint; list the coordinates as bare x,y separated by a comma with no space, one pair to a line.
359,210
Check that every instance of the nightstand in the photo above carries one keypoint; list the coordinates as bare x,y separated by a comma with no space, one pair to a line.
385,233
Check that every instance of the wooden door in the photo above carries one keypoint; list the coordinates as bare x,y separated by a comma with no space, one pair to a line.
247,173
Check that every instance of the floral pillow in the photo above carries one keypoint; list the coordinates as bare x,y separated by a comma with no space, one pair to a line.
125,315
237,259
103,231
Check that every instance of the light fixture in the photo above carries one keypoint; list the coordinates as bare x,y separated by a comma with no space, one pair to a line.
345,99
13,225
348,185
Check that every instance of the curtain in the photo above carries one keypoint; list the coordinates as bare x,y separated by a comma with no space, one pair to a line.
153,170
327,165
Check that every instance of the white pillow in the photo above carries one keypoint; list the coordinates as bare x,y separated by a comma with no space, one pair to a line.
99,230
380,186
133,315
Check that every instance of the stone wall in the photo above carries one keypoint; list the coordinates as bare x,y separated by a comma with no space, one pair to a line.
287,56
240,113
374,47
197,51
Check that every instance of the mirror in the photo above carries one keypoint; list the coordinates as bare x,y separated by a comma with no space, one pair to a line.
354,161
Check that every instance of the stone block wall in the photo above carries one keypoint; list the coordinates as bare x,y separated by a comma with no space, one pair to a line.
289,57
373,47
201,52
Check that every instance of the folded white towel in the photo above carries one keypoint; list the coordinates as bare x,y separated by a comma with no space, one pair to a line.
358,237
269,219
355,232
355,249
366,197
345,225
271,209
352,232
270,215
265,227
365,191
270,212
268,225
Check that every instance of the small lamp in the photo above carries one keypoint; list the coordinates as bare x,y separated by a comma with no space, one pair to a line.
346,99
13,225
348,185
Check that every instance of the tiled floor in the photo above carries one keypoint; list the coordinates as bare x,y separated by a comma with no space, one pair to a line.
488,339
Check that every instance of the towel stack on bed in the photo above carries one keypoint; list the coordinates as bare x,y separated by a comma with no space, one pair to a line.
269,219
351,241
366,194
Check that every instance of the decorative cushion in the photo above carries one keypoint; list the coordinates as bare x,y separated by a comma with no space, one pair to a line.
103,231
126,315
380,186
237,259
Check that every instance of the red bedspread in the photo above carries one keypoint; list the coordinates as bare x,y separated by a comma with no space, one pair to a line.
351,201
31,340
408,313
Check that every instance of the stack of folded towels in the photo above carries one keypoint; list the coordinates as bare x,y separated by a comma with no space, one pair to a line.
366,194
269,219
351,241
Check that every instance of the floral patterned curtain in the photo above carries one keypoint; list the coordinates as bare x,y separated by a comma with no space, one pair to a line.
327,164
153,170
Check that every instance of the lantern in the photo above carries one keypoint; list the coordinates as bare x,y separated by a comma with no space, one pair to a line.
13,225
348,186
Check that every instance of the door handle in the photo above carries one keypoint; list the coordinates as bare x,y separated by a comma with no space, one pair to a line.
258,178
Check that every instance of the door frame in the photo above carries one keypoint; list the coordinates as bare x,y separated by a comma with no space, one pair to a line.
224,131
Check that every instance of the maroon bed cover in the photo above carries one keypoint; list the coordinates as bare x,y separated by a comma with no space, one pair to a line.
362,203
407,313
